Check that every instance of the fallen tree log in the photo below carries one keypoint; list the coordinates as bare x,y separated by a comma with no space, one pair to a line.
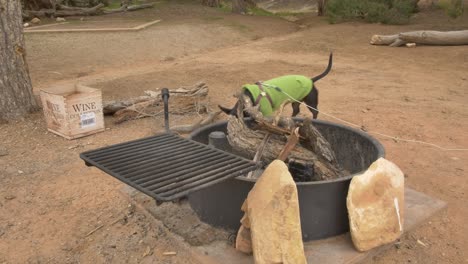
312,150
68,11
125,8
425,37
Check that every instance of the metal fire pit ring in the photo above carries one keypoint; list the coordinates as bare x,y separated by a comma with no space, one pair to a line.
322,203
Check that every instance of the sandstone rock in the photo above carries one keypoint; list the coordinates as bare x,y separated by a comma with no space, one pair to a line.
376,205
272,209
35,21
243,240
60,19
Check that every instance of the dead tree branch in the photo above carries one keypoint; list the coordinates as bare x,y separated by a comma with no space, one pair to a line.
183,100
125,8
64,11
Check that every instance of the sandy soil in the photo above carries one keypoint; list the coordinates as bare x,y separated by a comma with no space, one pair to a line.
54,209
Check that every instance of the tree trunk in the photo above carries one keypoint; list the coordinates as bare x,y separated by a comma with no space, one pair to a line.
239,6
16,96
38,4
321,7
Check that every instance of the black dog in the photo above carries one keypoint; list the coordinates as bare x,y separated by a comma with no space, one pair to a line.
311,98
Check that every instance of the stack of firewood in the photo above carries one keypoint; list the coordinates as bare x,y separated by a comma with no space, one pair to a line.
266,139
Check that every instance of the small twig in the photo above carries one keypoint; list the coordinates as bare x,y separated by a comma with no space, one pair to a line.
116,221
259,153
94,230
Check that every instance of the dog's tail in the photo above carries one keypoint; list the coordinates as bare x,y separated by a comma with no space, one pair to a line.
327,70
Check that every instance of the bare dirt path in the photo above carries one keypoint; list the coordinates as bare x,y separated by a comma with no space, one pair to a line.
50,202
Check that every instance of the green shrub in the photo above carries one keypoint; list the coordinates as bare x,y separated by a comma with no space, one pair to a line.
453,8
372,11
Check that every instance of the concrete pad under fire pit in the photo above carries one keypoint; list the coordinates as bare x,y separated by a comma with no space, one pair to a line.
339,249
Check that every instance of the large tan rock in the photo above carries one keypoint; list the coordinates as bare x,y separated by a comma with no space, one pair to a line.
272,210
376,205
35,21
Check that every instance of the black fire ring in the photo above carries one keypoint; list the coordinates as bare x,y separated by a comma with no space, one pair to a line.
322,203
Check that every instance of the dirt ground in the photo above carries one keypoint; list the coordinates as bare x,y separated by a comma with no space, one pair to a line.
54,209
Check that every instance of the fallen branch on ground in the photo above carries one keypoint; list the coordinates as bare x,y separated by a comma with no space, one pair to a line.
126,8
427,37
64,11
183,100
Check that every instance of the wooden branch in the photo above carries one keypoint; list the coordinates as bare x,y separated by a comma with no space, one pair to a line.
65,7
259,153
200,89
183,100
245,140
125,8
154,107
424,37
110,107
292,142
65,12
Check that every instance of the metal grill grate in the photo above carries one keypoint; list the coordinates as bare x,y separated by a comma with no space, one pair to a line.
167,166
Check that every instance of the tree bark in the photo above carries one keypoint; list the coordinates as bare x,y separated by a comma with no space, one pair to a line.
425,37
321,7
38,4
16,96
239,6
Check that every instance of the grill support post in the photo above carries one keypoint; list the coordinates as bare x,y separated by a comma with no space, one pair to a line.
165,97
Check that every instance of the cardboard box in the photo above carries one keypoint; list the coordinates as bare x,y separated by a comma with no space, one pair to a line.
73,111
